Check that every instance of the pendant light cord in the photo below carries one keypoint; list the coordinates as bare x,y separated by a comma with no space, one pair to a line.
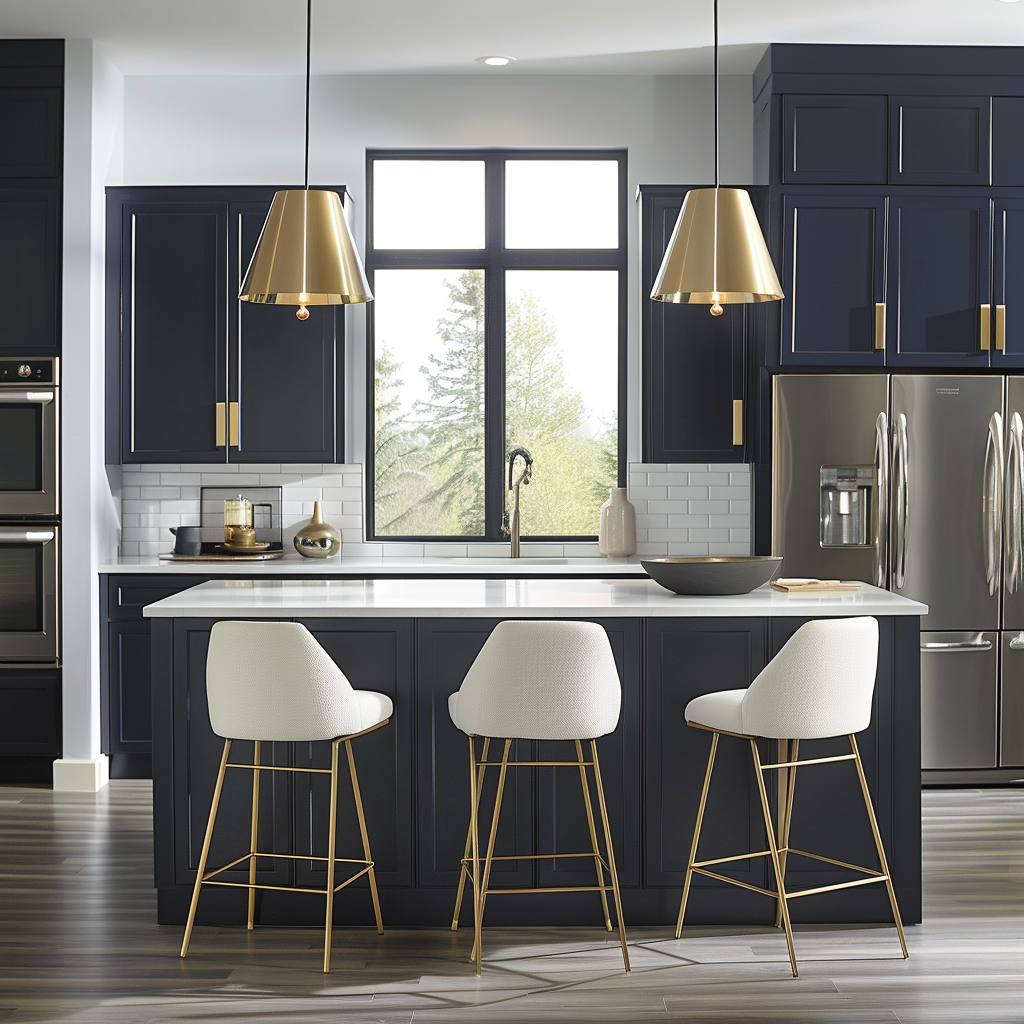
717,183
309,25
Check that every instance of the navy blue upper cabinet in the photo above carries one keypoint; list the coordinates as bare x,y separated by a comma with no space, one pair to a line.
939,262
1008,140
692,361
172,326
30,125
835,139
833,273
282,372
194,375
939,140
1008,283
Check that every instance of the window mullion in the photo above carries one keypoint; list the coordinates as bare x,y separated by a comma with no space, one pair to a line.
494,351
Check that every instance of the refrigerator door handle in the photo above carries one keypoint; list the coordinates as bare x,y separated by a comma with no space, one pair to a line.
973,645
1017,643
882,504
1013,506
901,502
992,501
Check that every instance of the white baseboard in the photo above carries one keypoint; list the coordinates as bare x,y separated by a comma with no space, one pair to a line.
80,775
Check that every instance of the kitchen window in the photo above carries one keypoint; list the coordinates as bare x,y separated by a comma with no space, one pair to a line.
499,279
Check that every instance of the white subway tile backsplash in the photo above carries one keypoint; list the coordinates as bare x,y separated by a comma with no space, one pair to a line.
710,507
729,492
689,491
649,492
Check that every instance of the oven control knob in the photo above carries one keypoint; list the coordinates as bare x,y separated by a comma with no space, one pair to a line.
24,370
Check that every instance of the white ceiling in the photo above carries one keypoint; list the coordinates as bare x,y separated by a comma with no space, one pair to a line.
154,37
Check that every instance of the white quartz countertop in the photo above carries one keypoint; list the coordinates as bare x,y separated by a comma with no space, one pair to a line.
503,598
362,565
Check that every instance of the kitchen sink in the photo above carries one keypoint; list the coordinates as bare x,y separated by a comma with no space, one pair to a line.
511,562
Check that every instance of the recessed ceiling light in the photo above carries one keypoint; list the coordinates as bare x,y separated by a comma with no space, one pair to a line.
496,61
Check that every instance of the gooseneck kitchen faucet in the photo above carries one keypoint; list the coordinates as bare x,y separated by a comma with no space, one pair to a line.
510,520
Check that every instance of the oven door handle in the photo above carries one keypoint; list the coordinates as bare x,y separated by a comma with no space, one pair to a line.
11,535
26,397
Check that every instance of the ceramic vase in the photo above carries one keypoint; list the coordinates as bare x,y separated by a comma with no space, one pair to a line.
317,539
617,533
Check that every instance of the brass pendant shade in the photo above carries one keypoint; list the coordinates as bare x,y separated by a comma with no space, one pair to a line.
306,255
717,253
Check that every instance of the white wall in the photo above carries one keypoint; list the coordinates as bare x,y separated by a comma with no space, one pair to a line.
249,130
93,153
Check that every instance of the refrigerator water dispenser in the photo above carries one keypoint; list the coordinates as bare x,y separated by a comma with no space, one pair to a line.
845,506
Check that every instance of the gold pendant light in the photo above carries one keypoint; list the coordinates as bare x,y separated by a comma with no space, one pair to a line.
717,253
306,255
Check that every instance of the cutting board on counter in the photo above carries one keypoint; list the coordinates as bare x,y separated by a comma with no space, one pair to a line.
805,586
262,556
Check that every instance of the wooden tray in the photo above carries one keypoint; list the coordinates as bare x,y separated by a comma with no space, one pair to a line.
813,586
262,556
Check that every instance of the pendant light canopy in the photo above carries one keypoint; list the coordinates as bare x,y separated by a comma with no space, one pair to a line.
306,255
717,253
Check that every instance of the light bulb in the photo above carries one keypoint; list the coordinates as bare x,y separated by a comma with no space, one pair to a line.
302,313
716,307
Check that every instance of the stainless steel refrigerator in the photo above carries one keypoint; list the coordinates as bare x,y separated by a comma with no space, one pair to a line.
916,483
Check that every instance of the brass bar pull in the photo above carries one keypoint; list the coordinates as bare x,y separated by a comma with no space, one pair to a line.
879,325
986,329
221,418
233,424
1000,328
737,421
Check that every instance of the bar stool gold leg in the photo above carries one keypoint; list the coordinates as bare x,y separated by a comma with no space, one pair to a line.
787,783
611,854
780,881
502,772
362,831
465,856
878,845
206,847
593,835
474,800
253,833
696,834
332,836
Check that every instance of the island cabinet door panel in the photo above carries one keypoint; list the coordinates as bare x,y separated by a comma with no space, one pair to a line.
445,649
562,817
692,361
130,728
938,281
197,753
835,139
374,655
687,658
939,140
281,370
172,331
1008,283
1008,140
30,271
834,279
829,817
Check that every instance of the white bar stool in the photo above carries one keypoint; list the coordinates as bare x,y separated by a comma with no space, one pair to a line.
818,686
271,682
538,680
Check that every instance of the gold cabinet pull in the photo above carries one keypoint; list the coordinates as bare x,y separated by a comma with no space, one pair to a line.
737,421
986,329
879,325
233,424
1000,328
221,417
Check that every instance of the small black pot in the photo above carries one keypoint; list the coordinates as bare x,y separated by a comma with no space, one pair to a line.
188,540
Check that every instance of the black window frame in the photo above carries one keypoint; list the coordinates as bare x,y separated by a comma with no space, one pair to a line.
494,259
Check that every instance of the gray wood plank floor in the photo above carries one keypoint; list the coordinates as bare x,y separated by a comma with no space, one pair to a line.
79,944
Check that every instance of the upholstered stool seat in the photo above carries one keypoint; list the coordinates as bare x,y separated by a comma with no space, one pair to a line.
538,680
819,686
271,682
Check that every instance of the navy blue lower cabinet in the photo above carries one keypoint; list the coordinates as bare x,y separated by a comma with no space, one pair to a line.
131,717
1008,283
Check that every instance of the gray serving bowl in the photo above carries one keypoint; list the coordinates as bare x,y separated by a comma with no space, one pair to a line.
706,577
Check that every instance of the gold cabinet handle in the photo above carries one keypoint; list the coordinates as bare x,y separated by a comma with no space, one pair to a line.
879,325
737,421
986,329
233,424
221,418
1000,328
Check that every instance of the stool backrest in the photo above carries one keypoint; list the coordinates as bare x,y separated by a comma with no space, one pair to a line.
542,680
820,684
273,681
